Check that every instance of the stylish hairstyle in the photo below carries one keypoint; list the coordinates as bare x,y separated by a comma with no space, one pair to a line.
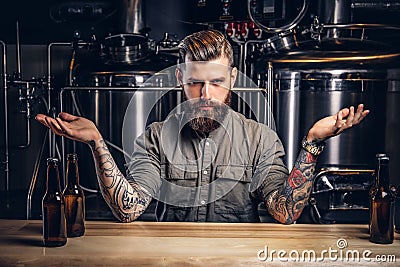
205,45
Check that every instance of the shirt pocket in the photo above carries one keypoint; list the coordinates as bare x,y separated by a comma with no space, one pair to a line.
179,184
232,190
182,175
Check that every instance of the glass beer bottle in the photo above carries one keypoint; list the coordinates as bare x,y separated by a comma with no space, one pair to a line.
54,227
397,210
74,199
374,185
382,207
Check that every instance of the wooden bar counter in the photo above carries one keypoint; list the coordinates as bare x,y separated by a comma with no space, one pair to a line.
197,244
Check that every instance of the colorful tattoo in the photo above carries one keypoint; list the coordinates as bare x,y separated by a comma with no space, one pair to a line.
127,200
286,204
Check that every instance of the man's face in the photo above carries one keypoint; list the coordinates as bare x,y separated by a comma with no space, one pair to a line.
207,80
206,88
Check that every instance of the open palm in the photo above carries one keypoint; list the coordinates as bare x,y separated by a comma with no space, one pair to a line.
336,124
73,127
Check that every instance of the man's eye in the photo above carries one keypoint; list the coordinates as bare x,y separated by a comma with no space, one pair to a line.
217,81
195,83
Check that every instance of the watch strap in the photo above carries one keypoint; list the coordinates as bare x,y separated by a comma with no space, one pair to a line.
314,147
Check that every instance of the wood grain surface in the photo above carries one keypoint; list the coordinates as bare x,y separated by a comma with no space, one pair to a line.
197,244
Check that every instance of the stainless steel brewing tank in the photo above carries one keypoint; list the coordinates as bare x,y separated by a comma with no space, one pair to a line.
103,93
310,90
107,107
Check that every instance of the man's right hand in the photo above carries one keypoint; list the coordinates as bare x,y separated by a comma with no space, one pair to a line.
72,127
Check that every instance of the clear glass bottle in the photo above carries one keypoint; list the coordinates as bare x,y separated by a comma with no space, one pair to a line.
382,206
54,224
74,199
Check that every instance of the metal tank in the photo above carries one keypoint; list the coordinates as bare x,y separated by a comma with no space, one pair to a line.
306,95
132,19
106,79
103,96
331,74
335,12
332,65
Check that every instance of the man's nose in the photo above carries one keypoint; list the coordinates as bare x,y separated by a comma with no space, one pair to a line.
205,90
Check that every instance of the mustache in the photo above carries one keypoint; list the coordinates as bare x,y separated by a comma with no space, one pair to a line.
199,102
195,103
203,102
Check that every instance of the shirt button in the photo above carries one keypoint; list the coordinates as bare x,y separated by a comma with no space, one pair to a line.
207,143
202,202
205,172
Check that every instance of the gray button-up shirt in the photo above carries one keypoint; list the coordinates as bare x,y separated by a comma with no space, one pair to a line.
221,177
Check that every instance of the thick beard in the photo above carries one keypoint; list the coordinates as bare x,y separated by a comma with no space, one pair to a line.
206,121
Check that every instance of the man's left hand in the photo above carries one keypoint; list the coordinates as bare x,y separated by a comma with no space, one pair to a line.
334,125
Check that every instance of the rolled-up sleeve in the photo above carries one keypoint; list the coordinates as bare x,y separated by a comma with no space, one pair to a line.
270,171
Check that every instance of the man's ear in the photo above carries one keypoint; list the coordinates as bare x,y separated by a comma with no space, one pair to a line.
178,75
233,76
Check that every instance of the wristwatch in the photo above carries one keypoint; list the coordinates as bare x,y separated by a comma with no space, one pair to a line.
313,147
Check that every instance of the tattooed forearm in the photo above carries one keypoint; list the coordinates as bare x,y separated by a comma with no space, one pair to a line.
286,204
126,200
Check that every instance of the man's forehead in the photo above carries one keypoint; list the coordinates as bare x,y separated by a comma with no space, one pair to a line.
205,67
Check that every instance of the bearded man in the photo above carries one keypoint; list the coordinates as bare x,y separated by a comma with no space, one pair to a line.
208,162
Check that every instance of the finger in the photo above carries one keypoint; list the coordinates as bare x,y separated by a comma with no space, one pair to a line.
55,128
42,119
64,127
360,108
339,118
338,122
344,113
67,117
365,113
350,118
40,116
358,114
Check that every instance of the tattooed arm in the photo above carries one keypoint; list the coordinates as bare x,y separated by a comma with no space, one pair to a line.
127,200
287,203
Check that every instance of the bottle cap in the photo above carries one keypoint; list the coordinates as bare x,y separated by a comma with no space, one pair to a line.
384,160
52,161
72,156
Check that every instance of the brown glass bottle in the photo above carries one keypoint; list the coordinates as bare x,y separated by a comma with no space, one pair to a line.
54,226
397,210
374,185
382,206
74,199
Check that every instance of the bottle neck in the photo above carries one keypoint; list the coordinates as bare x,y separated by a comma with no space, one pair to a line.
383,176
53,179
376,174
72,173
